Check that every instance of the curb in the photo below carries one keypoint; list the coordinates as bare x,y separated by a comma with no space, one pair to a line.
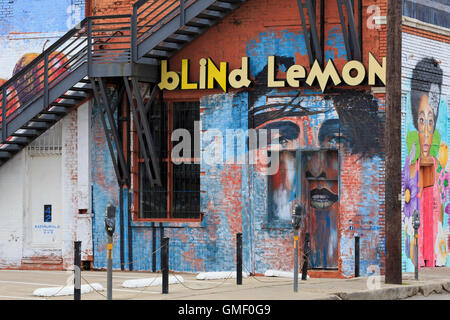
396,293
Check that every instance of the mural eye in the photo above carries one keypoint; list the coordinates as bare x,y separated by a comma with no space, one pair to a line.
284,140
338,139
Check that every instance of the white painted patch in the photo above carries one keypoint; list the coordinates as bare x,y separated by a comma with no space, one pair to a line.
219,275
67,291
150,282
282,274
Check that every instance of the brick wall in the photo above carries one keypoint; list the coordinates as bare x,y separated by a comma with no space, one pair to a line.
421,43
235,198
110,7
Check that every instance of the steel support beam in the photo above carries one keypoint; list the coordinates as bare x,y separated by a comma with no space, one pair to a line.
351,39
145,141
111,132
315,52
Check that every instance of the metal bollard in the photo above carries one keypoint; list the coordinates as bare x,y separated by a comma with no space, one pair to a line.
77,271
239,258
306,249
165,266
296,262
357,251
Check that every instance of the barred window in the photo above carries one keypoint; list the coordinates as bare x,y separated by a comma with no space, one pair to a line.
179,196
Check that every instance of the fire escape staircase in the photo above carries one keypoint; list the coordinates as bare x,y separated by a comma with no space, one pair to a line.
102,51
124,51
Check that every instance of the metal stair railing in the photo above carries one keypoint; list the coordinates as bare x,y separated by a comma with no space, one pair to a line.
149,16
94,44
95,41
42,73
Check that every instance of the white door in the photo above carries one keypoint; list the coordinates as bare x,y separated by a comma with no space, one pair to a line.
45,207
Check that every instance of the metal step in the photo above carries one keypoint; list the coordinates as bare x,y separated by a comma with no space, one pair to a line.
46,118
158,54
190,30
11,148
201,23
73,97
168,46
18,141
5,155
31,133
37,125
179,38
82,89
63,104
212,14
222,6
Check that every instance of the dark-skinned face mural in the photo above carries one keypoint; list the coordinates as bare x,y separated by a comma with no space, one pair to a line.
338,119
349,120
323,193
425,175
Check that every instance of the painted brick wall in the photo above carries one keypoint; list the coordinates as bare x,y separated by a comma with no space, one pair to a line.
109,7
29,26
235,198
417,45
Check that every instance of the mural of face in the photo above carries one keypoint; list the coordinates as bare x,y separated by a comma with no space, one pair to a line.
282,187
333,135
426,125
323,193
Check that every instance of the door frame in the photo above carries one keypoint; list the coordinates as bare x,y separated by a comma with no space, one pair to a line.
301,188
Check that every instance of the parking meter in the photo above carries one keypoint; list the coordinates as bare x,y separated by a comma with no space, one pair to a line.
110,219
416,226
297,216
110,226
416,220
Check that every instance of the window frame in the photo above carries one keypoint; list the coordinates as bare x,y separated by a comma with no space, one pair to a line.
170,181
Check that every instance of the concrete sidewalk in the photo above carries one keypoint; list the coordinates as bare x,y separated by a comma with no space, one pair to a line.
20,285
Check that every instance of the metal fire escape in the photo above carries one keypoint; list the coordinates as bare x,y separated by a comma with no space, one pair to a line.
119,52
314,28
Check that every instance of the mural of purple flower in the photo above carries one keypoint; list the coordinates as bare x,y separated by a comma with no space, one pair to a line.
410,190
444,180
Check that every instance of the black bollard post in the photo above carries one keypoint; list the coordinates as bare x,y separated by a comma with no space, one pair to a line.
77,271
357,250
165,266
153,247
306,249
239,258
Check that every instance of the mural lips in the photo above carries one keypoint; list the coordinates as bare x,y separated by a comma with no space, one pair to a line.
322,198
